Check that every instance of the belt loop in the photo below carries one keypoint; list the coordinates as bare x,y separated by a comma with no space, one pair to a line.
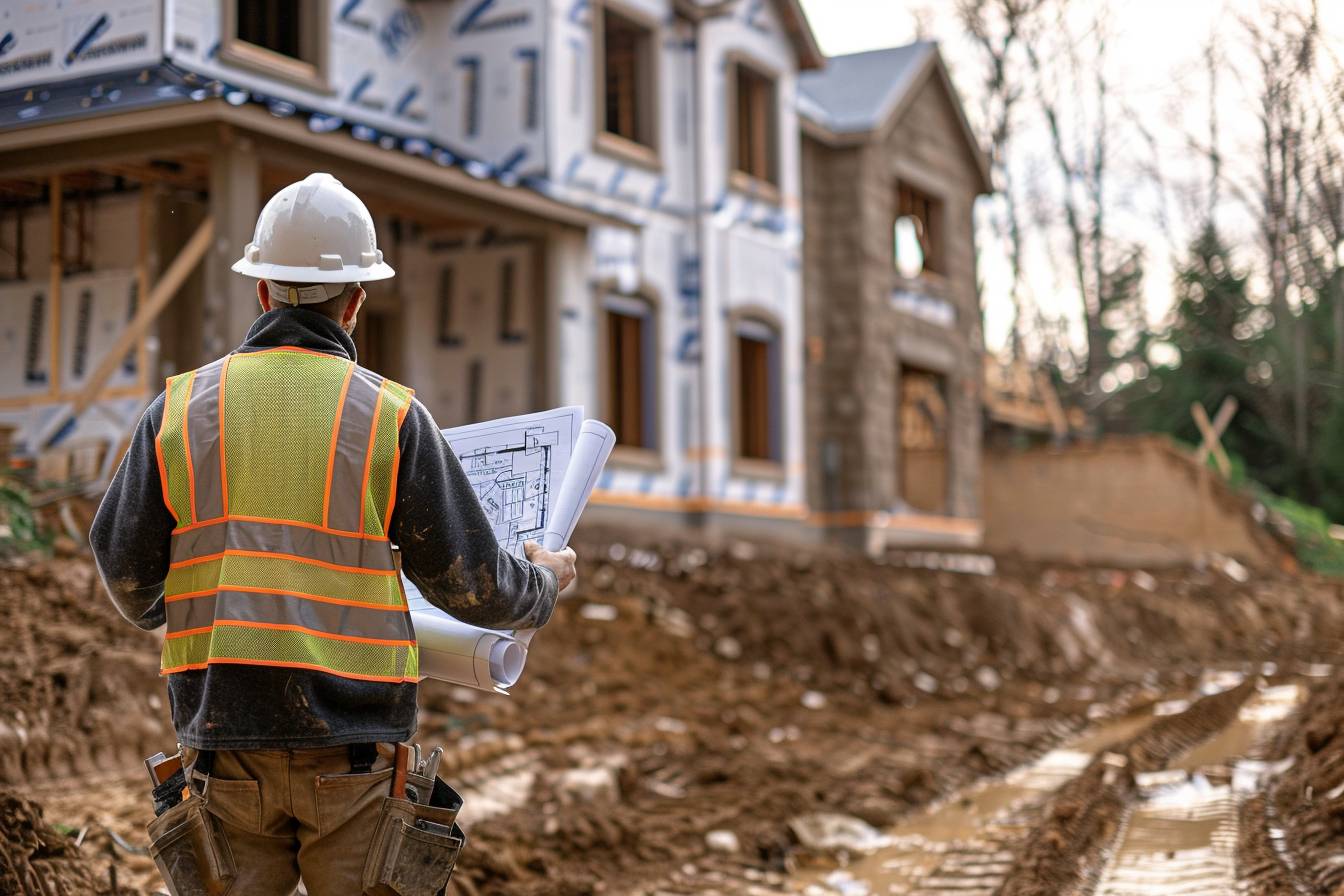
362,758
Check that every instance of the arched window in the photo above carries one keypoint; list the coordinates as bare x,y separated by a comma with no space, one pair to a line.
758,400
631,370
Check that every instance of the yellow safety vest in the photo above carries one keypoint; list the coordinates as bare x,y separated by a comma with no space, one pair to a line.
280,467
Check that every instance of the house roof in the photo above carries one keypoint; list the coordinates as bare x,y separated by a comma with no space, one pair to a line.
856,95
790,13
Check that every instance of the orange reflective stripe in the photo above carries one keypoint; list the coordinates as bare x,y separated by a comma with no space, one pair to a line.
396,468
395,679
276,555
285,592
223,469
368,455
190,631
262,519
335,435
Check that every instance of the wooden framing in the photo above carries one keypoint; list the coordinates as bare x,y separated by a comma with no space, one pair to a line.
54,289
153,304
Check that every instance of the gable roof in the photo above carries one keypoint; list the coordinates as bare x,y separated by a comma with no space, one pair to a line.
858,95
790,13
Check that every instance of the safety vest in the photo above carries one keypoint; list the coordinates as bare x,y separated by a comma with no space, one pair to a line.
280,467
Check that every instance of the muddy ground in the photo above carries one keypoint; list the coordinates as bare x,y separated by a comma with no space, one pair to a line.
690,700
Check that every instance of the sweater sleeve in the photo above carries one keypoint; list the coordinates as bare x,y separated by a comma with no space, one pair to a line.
133,529
448,548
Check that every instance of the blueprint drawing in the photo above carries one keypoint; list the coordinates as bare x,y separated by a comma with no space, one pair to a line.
515,466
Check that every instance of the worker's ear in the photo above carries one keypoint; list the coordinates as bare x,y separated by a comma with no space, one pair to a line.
352,309
264,296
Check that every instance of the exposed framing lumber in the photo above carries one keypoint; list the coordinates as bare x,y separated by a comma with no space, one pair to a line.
152,306
54,289
1212,433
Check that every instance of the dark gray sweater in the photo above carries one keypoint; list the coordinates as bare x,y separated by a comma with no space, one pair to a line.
447,548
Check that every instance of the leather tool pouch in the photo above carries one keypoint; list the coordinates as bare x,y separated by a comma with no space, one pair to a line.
192,854
415,846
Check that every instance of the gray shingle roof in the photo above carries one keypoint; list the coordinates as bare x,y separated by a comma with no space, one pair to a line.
855,93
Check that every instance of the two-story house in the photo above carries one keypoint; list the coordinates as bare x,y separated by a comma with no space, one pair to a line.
591,202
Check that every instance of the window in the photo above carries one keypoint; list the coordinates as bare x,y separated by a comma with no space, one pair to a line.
625,80
630,371
281,38
508,329
754,128
758,394
531,89
917,243
448,337
471,95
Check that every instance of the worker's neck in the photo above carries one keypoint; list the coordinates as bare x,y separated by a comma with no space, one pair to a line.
299,328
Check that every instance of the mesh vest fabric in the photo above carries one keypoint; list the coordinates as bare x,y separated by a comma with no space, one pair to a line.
280,468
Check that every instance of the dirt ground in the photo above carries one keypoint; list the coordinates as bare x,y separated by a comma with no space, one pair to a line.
691,700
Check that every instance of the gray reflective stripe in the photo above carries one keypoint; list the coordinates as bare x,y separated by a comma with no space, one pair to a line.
202,416
282,538
352,449
284,609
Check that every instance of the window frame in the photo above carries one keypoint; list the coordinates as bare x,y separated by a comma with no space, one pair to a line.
741,465
935,257
311,75
632,151
645,457
769,187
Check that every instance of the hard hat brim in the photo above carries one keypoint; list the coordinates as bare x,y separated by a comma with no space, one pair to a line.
351,273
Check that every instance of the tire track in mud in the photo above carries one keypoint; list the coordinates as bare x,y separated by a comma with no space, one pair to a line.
1145,805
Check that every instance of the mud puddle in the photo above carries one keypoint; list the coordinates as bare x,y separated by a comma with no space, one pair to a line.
1182,836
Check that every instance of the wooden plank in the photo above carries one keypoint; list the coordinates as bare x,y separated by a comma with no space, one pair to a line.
149,310
1212,442
54,290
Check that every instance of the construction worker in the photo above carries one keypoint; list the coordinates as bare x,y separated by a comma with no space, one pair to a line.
255,514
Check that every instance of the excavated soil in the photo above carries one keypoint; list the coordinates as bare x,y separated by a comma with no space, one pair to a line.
689,689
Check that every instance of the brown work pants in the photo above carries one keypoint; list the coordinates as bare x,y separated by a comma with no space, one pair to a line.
291,814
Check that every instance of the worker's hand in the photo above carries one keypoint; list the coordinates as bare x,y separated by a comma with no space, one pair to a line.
559,562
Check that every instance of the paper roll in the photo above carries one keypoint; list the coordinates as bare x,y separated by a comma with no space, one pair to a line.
585,466
453,651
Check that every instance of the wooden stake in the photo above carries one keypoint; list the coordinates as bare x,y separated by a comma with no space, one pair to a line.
149,310
54,290
1212,431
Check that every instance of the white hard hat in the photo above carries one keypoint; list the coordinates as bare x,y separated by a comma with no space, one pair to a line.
314,231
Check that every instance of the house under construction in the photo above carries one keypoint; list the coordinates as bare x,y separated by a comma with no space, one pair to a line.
678,214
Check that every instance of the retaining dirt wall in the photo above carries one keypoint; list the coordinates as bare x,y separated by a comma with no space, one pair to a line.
1128,501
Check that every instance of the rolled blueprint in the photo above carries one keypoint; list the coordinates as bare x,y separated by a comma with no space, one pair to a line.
591,451
459,653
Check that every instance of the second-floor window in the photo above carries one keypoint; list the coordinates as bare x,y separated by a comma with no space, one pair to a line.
279,26
755,130
626,87
917,240
284,39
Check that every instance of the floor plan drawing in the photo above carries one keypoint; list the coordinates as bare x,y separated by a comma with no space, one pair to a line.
513,484
515,466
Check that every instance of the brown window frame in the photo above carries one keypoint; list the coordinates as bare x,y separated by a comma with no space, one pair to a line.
624,314
639,141
758,419
762,173
927,210
310,70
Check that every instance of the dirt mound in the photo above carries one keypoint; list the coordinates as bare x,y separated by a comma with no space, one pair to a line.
690,688
81,683
38,860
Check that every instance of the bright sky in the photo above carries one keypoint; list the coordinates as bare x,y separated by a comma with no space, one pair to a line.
1155,67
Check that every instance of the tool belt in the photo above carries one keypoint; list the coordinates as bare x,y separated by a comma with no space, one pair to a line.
414,848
